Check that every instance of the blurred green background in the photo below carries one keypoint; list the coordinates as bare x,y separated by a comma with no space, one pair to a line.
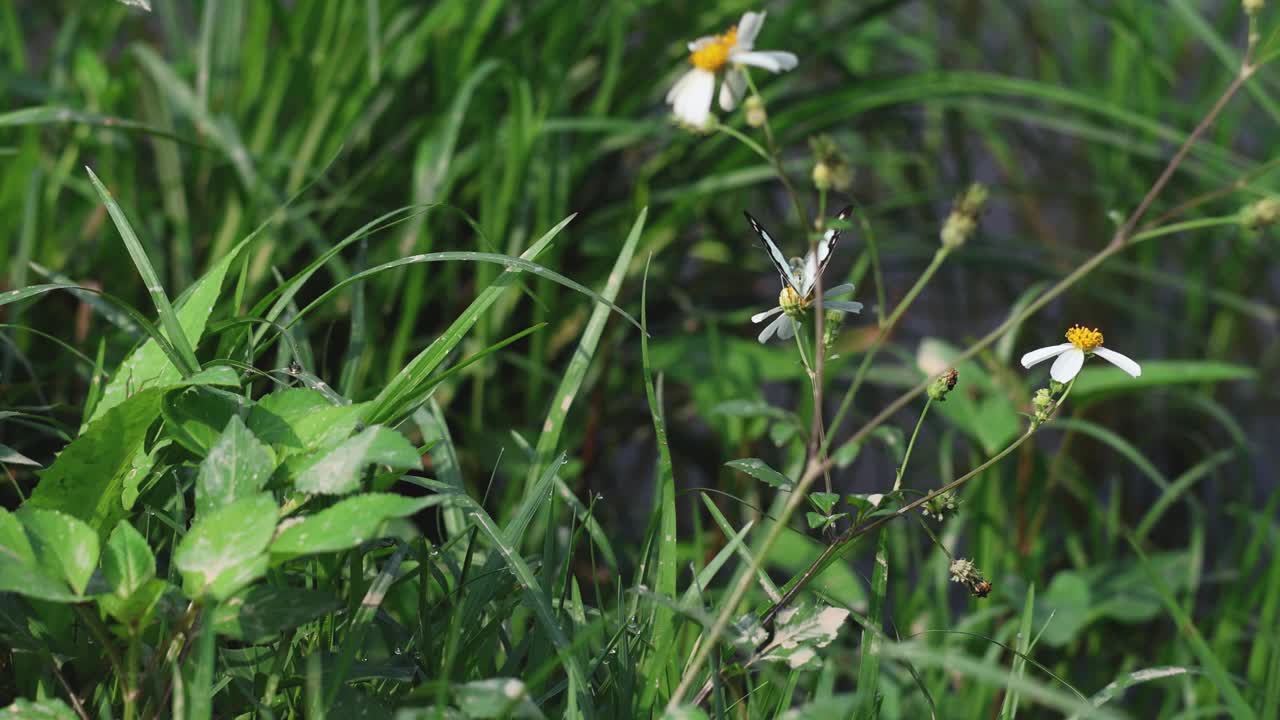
503,118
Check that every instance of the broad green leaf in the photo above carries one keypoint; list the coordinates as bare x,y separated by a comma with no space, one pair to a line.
127,562
338,471
135,608
237,466
87,477
301,420
760,470
347,524
495,698
14,543
65,546
824,500
139,475
20,571
1123,591
47,709
147,366
196,416
261,612
129,569
224,550
799,632
1098,379
1067,601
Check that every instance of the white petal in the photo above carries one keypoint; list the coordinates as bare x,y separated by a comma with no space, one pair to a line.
838,290
678,88
1038,356
842,305
732,89
692,105
1120,361
748,28
787,330
1068,365
767,313
774,327
771,60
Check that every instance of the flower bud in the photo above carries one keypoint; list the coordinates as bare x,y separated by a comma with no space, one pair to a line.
1252,7
941,506
943,384
754,109
1260,214
822,176
963,220
831,328
831,170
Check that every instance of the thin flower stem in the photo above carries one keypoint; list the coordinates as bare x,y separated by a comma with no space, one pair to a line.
775,155
836,549
741,137
906,457
861,373
1118,243
924,525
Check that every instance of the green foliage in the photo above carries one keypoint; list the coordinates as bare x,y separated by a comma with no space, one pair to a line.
389,359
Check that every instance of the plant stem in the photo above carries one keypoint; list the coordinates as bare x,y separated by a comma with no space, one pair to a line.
906,457
1118,242
861,373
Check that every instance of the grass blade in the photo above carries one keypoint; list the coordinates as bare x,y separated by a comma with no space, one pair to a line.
574,374
168,318
655,675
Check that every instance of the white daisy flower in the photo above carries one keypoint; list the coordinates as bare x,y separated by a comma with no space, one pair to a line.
1070,355
798,283
723,56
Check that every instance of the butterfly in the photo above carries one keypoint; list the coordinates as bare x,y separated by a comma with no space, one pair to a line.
799,280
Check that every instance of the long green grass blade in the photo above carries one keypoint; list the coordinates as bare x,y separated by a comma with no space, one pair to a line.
168,318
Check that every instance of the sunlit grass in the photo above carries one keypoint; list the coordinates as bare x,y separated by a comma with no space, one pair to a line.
393,357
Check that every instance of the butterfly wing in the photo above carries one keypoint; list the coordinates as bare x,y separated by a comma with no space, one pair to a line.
816,263
780,262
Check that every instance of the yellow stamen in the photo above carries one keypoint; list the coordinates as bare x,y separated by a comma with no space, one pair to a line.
790,301
715,55
1083,338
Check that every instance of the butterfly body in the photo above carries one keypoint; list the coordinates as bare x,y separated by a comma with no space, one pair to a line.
800,275
800,282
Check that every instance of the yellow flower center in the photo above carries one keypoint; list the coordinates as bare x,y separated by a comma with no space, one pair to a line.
715,55
790,301
1083,338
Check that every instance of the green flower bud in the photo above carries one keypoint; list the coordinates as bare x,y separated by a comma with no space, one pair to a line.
830,168
822,176
943,384
1260,214
831,328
